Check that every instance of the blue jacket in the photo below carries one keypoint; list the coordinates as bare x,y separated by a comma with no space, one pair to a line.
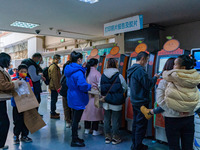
140,85
77,94
27,80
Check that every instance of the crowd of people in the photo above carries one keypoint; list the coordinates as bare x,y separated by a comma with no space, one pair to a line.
177,95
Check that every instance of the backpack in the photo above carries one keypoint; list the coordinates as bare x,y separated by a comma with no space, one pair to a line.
64,88
46,75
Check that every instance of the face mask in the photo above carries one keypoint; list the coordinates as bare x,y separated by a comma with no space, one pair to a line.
37,62
59,61
23,75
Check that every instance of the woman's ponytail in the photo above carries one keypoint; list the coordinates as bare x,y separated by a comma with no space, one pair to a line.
91,63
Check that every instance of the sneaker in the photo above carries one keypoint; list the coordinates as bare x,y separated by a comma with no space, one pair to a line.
68,125
87,131
95,133
16,140
116,140
146,112
54,116
26,139
5,147
108,138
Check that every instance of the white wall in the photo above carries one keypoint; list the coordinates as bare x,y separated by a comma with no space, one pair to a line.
187,34
13,38
35,44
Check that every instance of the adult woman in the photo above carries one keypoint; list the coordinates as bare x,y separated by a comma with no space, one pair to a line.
6,89
77,94
91,114
112,86
63,92
176,94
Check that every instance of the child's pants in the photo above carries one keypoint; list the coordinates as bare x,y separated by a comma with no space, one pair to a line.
19,126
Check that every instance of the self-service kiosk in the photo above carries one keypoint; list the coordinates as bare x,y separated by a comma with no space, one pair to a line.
122,60
150,70
170,49
196,54
94,54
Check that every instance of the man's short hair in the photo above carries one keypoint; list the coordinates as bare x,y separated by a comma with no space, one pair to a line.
56,56
37,55
142,54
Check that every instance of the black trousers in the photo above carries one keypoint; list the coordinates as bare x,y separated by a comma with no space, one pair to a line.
77,114
38,97
139,127
94,124
19,126
54,99
4,123
180,128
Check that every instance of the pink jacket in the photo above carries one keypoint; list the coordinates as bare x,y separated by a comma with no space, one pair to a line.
91,113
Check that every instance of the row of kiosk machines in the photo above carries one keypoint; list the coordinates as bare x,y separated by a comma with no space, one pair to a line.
156,63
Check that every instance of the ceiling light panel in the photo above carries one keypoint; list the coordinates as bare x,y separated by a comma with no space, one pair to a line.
24,25
90,1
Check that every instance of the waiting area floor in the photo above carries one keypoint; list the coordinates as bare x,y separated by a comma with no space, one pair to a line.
54,136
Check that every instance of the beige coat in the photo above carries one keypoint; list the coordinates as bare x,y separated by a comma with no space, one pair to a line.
54,76
6,85
182,94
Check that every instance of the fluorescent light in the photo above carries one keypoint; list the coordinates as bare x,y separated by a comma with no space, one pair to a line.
90,1
24,24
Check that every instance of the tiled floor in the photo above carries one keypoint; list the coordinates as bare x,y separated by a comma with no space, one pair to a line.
54,136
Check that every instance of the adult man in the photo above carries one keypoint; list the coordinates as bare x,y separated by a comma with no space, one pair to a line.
54,85
140,85
34,70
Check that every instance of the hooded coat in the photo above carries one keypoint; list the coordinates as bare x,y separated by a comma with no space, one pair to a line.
182,94
140,85
77,94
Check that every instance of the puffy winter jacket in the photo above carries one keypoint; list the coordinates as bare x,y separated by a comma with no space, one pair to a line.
182,94
77,94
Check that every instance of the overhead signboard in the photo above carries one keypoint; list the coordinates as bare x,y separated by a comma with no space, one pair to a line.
124,25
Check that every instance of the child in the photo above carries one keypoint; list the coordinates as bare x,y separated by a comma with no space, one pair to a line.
181,92
18,118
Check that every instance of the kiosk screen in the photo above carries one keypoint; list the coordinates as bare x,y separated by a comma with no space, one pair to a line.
197,57
162,63
133,61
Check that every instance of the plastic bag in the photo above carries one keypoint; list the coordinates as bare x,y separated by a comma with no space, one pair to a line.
23,89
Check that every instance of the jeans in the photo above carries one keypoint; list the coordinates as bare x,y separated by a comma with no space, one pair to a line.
115,118
19,126
54,99
158,110
139,127
94,124
180,128
77,114
67,110
4,123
